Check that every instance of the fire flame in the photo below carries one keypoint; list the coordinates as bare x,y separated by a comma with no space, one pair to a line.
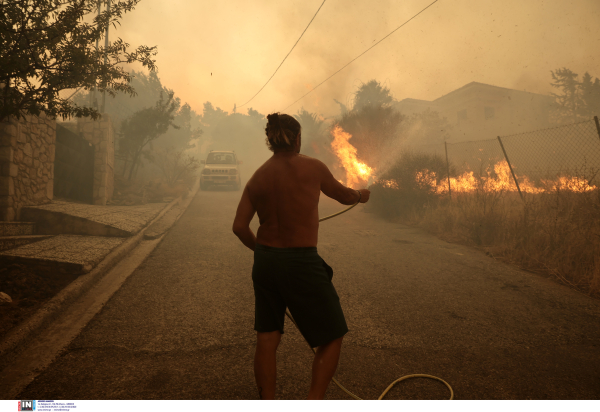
503,181
356,172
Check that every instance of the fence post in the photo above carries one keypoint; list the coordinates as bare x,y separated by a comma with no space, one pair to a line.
448,166
597,125
511,169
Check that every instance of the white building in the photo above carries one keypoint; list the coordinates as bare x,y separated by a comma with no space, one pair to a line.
480,111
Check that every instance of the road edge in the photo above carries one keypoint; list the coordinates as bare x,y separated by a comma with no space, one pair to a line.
13,343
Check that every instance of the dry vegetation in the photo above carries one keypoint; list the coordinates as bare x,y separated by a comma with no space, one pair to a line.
555,233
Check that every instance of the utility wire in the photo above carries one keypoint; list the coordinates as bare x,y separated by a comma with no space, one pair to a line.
286,56
69,98
347,64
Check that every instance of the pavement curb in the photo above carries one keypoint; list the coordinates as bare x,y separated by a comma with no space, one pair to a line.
13,342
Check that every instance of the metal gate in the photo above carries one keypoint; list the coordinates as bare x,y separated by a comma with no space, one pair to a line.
73,166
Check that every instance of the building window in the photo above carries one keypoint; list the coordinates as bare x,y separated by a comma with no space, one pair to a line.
490,112
462,115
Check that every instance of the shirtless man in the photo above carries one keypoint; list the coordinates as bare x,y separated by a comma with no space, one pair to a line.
287,271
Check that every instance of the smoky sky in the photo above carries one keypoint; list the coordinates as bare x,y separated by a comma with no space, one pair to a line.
509,43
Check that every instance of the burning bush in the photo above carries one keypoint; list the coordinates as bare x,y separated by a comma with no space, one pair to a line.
409,185
373,128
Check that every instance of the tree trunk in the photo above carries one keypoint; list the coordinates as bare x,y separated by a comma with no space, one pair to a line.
125,165
133,163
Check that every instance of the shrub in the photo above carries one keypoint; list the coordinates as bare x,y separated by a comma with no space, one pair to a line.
409,185
174,164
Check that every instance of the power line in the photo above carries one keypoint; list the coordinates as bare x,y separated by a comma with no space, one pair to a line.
69,98
347,64
286,56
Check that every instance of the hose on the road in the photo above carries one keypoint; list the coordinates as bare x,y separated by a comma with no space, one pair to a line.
397,380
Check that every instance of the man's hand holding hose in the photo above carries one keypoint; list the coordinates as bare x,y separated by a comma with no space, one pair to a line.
364,195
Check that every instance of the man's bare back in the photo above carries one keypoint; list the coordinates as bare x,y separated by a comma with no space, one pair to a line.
285,192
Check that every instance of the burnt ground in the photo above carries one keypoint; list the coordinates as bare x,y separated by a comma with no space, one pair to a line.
181,325
29,289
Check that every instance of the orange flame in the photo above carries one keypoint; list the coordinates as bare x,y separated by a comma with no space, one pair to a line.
503,181
356,172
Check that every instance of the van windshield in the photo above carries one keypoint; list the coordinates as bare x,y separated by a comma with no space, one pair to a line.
220,158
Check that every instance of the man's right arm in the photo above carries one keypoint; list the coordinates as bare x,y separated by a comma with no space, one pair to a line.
335,190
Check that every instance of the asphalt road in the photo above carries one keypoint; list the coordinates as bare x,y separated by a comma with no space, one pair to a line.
181,327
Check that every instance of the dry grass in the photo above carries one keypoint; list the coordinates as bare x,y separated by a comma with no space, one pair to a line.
555,233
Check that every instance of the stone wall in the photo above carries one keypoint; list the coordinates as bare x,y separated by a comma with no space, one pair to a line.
27,148
101,135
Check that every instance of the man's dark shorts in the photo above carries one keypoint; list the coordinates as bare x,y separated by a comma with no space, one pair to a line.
299,279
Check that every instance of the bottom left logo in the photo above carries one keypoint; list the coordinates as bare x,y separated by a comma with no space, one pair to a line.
27,405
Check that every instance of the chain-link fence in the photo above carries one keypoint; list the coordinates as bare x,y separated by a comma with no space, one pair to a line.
569,150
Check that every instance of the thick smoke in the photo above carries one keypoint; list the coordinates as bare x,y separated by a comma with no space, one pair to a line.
507,44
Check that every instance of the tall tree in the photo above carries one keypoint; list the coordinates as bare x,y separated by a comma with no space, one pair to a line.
148,89
372,93
145,126
147,86
315,142
211,116
372,122
258,118
373,128
590,96
578,99
48,46
568,102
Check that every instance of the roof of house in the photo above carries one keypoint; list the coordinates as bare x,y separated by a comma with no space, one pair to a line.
478,85
472,85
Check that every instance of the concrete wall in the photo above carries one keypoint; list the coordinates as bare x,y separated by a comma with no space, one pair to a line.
27,148
101,135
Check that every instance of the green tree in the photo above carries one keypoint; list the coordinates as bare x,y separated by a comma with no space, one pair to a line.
144,127
48,46
577,100
372,93
212,116
315,142
182,136
242,133
568,102
148,89
258,119
590,96
373,128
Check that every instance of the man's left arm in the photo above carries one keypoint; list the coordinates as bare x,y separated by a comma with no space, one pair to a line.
243,217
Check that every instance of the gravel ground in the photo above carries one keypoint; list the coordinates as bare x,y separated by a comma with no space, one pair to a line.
181,325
